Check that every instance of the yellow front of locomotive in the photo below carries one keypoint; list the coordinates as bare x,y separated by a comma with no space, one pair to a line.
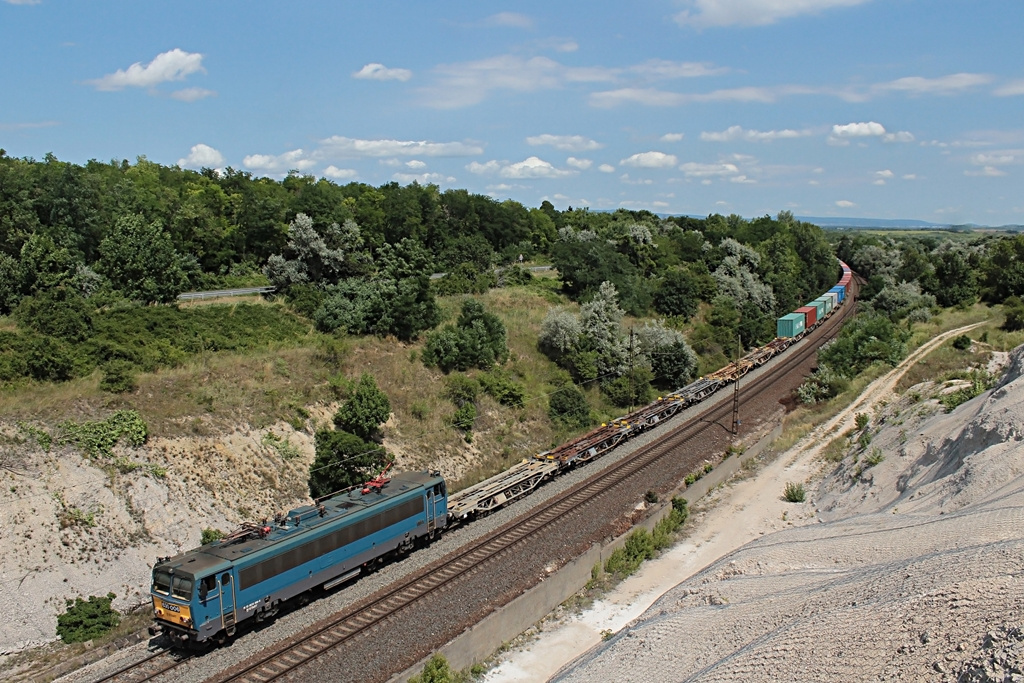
172,592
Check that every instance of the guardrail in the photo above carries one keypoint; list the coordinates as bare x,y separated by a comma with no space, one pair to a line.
243,291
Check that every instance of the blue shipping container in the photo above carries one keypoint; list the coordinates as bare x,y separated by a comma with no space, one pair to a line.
840,292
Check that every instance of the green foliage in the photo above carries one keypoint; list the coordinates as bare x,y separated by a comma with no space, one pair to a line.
962,343
365,411
41,436
633,388
284,447
626,560
437,670
861,420
824,384
1013,309
465,278
139,260
794,493
568,405
343,460
87,619
118,377
678,294
500,386
981,382
460,389
98,438
464,417
210,535
477,340
59,312
865,340
874,457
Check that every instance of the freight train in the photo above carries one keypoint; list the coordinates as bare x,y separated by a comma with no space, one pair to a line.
201,596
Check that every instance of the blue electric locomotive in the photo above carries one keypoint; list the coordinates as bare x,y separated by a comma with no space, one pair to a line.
203,594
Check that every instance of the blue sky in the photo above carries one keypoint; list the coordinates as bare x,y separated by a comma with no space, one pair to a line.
867,108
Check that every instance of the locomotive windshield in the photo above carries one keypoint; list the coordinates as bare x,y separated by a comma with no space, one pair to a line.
178,586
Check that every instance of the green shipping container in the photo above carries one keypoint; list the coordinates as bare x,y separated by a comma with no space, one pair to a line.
828,301
791,325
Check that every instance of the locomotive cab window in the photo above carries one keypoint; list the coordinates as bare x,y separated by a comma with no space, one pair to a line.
439,489
162,582
181,587
207,585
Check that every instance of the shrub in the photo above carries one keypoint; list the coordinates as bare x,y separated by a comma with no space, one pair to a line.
87,619
794,493
366,410
210,535
875,457
862,420
342,460
503,390
962,343
569,406
651,497
464,417
118,377
98,438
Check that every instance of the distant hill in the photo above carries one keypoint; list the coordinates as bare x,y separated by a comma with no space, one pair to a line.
889,223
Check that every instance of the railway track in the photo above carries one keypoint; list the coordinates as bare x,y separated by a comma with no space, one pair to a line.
487,553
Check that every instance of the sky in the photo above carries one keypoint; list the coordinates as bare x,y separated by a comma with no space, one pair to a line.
898,109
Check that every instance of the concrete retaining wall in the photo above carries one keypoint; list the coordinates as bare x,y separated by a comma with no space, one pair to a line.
480,641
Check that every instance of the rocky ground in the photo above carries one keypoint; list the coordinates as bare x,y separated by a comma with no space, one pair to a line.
905,563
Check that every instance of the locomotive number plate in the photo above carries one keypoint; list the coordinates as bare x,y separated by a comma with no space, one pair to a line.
170,607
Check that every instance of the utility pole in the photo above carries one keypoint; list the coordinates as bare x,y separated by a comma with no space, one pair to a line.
736,393
631,368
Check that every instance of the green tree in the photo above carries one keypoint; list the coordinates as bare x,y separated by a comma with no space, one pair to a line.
139,260
365,411
343,460
954,282
677,295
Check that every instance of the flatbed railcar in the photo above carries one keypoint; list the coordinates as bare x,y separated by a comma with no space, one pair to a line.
204,594
525,477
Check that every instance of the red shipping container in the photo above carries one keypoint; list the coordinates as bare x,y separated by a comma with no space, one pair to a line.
810,315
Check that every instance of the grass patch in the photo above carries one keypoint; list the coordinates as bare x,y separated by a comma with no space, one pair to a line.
794,493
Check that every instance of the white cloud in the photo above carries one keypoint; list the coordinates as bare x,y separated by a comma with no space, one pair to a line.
635,181
1010,89
901,136
566,143
671,137
692,169
582,164
423,178
650,160
606,168
734,133
173,65
858,130
707,13
663,69
882,176
340,146
1001,158
653,97
943,85
378,72
415,164
467,83
844,204
909,176
742,179
202,156
192,94
295,159
336,173
23,2
986,172
509,19
532,167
